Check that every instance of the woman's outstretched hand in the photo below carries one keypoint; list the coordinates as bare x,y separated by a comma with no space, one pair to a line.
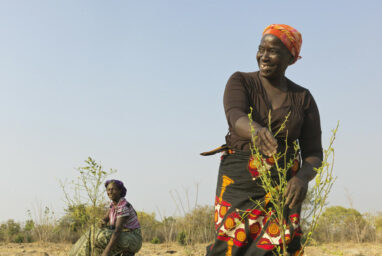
265,142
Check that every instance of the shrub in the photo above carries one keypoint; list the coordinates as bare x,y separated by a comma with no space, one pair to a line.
181,238
19,238
149,226
338,224
197,225
155,240
86,206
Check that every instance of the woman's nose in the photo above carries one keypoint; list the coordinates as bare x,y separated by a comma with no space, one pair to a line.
265,55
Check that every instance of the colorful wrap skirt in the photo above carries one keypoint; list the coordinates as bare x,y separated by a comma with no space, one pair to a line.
241,228
128,242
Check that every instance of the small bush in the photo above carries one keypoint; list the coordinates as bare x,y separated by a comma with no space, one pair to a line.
155,240
181,238
28,239
19,238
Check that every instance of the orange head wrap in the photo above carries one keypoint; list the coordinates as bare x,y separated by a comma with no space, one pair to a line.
290,37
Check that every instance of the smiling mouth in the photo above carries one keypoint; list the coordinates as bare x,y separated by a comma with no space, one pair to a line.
265,66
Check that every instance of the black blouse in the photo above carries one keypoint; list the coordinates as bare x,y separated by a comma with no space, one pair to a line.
244,90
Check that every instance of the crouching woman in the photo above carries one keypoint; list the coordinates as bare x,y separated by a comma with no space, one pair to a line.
120,232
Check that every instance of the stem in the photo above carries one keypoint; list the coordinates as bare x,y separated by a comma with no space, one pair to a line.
321,189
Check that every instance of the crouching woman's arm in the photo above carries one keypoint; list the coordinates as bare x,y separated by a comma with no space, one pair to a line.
120,223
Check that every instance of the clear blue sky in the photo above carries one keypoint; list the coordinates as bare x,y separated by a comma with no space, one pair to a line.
138,86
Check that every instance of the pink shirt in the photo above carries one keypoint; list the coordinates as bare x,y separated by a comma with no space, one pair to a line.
123,209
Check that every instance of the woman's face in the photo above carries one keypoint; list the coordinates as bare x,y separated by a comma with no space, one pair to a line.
113,192
273,57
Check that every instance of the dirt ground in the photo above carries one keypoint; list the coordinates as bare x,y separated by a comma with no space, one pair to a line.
53,249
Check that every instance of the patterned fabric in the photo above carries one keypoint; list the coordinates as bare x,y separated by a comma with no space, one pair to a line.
123,209
290,37
242,228
130,241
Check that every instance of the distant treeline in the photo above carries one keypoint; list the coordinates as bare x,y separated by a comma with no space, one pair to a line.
195,227
337,224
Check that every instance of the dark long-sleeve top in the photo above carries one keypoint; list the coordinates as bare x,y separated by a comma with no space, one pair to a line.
245,90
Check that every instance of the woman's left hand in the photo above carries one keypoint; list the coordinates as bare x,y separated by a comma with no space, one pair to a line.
296,191
298,185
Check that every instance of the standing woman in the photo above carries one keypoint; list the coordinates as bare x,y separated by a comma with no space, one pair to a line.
239,185
120,232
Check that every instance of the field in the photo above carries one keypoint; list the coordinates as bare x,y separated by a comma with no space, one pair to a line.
61,249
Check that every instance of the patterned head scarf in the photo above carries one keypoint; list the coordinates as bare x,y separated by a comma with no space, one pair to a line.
290,37
119,185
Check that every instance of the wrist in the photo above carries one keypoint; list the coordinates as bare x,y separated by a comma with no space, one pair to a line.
258,128
303,177
305,174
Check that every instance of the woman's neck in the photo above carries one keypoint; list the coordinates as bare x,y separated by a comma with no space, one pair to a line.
278,83
117,200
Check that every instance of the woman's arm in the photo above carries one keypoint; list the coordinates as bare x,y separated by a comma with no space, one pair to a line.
298,185
237,107
311,152
114,237
265,142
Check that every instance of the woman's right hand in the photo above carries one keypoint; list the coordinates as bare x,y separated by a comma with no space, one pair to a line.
265,142
102,223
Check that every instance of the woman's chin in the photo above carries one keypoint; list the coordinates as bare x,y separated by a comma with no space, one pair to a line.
270,74
266,73
115,199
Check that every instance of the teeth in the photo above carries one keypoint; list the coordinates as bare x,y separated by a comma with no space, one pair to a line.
265,66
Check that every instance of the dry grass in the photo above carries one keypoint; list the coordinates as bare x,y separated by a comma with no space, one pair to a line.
345,249
172,249
60,249
34,249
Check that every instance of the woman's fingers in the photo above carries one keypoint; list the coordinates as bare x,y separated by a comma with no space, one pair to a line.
295,192
287,194
295,200
301,196
267,143
269,138
263,148
298,198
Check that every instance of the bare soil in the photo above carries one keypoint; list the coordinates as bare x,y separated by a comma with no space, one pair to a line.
61,249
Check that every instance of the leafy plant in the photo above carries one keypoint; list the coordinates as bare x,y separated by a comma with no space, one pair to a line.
155,240
275,191
86,205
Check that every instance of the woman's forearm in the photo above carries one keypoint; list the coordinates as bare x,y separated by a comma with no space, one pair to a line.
243,128
121,221
307,171
113,240
265,141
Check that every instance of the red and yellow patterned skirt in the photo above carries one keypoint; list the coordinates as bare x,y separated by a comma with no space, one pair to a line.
241,228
